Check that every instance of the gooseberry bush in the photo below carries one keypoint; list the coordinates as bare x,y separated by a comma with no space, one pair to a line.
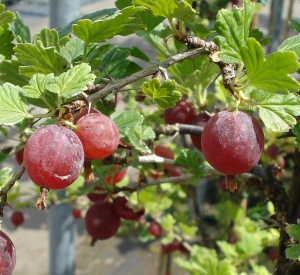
197,150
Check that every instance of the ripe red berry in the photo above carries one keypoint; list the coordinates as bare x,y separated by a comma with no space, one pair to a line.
232,142
175,172
7,255
76,213
19,156
273,254
199,120
117,176
125,211
171,247
99,135
164,152
84,111
17,218
272,151
101,221
183,112
98,194
53,157
155,229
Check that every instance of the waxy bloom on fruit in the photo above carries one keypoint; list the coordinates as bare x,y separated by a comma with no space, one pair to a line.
53,157
232,142
7,255
99,135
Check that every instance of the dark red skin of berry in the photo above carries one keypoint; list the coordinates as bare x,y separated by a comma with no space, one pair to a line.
53,157
164,152
175,172
232,142
199,120
7,255
99,135
17,218
155,229
19,156
272,151
76,213
171,247
117,176
125,211
183,113
84,111
101,221
96,195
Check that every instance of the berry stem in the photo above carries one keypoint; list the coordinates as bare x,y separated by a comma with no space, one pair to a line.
41,201
231,182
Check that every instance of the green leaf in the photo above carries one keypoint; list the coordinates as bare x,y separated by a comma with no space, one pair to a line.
45,61
136,52
293,251
294,231
10,73
263,73
101,14
296,131
167,222
12,104
291,44
127,121
6,46
164,8
6,17
204,76
4,176
249,244
72,82
259,36
169,9
115,62
227,249
164,94
233,28
123,23
72,49
189,158
277,111
49,38
235,212
37,89
20,29
188,229
294,24
137,141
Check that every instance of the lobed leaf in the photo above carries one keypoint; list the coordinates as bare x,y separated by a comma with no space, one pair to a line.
291,44
45,61
12,104
122,23
20,30
127,121
97,15
10,73
167,222
169,8
49,38
263,73
72,49
293,251
6,17
165,94
6,45
233,29
38,90
72,82
277,111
